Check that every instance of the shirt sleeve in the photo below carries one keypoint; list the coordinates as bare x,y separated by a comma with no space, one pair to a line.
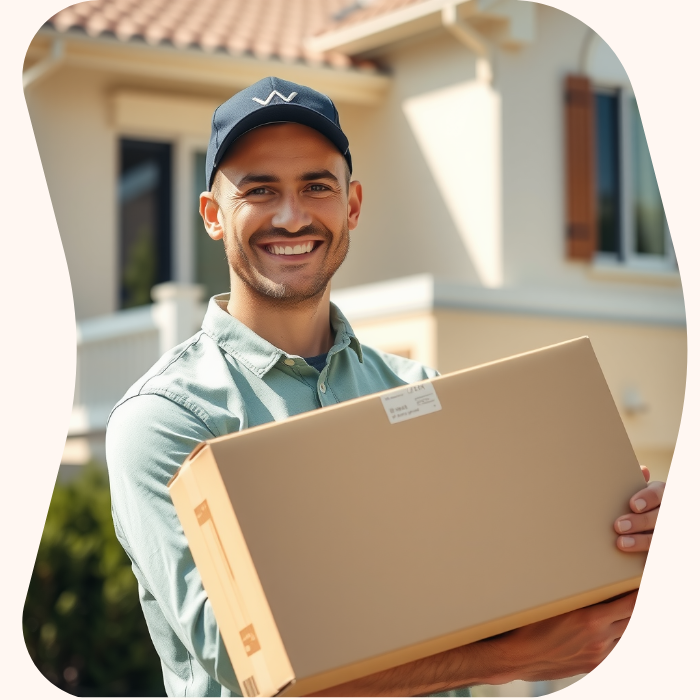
148,438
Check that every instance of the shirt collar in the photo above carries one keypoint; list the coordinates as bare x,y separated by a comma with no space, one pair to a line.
256,353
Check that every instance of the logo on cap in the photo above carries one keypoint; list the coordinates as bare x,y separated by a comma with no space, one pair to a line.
292,95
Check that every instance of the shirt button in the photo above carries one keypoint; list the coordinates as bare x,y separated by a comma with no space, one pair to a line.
322,388
289,362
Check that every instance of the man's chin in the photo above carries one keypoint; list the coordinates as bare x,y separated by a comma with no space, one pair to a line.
283,292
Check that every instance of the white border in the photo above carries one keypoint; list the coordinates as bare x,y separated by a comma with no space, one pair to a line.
656,43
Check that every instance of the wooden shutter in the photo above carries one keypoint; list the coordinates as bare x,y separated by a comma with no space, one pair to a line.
581,204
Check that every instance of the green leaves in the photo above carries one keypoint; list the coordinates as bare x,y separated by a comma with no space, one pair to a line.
82,621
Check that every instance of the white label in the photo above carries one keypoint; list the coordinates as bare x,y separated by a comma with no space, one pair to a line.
410,402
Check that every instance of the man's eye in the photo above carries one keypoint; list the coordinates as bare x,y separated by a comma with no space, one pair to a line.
318,188
259,190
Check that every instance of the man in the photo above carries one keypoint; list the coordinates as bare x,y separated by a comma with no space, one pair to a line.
281,199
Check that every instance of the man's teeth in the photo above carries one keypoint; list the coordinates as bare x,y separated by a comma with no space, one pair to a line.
291,250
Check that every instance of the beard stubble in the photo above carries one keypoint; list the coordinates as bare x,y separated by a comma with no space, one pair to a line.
243,267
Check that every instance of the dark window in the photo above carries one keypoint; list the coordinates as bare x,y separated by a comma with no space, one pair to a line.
648,210
607,121
144,219
211,268
632,223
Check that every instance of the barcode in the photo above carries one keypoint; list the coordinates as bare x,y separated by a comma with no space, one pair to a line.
250,688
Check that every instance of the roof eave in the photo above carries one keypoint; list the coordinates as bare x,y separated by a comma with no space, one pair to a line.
212,69
386,29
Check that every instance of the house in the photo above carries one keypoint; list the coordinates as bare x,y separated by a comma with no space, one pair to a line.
510,198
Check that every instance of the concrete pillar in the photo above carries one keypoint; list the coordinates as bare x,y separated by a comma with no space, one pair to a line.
177,311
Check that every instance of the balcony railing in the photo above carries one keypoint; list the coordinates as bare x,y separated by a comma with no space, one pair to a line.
115,350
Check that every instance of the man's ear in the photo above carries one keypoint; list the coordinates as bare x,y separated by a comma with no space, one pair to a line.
354,203
211,216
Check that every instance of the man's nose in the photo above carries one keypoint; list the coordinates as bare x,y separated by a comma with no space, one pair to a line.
291,214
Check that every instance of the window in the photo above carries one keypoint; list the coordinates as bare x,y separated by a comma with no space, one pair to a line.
614,209
631,222
607,144
144,219
211,268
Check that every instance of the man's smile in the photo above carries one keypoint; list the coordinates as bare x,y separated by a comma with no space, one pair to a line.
291,248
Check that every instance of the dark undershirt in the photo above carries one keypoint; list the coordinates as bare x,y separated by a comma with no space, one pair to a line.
318,362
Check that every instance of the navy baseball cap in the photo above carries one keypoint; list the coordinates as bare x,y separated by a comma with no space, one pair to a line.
272,101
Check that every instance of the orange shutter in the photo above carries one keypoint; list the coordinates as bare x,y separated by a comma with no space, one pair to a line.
581,213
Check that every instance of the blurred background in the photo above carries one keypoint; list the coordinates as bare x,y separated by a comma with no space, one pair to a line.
510,203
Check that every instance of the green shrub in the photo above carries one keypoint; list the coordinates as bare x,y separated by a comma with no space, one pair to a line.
82,621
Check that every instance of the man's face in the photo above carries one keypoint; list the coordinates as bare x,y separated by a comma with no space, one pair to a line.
282,205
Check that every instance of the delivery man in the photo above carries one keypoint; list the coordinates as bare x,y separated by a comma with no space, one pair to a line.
280,196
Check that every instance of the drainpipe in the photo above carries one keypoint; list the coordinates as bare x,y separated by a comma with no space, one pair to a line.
46,66
466,35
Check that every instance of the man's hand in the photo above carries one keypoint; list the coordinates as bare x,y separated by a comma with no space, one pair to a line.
559,647
636,528
565,645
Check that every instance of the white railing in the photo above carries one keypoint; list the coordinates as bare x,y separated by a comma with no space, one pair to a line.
115,350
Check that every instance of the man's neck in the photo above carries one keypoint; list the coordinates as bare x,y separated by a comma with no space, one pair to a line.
301,329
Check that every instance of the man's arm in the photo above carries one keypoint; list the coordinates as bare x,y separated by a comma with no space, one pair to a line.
559,647
148,438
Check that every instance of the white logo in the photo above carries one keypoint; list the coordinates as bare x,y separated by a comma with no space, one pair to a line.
272,94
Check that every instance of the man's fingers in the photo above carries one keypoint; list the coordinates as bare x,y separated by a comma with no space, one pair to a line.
618,628
614,610
646,473
648,498
634,543
631,524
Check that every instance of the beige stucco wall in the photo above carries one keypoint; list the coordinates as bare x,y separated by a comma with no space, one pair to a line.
77,123
467,182
77,148
405,226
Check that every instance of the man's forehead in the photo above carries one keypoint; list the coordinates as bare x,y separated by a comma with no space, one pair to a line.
283,143
276,153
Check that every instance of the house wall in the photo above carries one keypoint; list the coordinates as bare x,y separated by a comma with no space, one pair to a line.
405,226
78,115
467,181
70,118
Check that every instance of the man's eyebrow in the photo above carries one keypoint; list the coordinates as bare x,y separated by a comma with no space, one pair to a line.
318,175
263,178
256,178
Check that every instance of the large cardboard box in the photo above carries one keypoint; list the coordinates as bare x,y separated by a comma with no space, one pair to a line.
358,537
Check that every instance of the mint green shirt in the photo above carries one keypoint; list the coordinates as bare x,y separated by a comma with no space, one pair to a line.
223,379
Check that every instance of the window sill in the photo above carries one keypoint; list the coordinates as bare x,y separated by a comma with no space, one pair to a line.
635,272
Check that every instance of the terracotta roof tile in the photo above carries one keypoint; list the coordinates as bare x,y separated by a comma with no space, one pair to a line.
263,28
364,10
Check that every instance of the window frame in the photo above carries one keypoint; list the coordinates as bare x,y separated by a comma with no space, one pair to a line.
627,258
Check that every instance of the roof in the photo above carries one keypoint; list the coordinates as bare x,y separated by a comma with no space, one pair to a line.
362,11
264,29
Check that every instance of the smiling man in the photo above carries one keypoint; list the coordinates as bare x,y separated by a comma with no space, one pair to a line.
281,199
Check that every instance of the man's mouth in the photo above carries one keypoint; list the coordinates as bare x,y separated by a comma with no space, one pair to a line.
287,249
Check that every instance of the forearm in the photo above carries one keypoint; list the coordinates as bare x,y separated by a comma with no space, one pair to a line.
474,664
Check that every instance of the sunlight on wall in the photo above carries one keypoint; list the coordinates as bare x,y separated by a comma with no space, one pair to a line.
458,131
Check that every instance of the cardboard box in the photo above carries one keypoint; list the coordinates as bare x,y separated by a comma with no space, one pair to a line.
358,537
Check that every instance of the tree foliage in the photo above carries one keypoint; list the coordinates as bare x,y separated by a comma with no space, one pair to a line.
82,621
